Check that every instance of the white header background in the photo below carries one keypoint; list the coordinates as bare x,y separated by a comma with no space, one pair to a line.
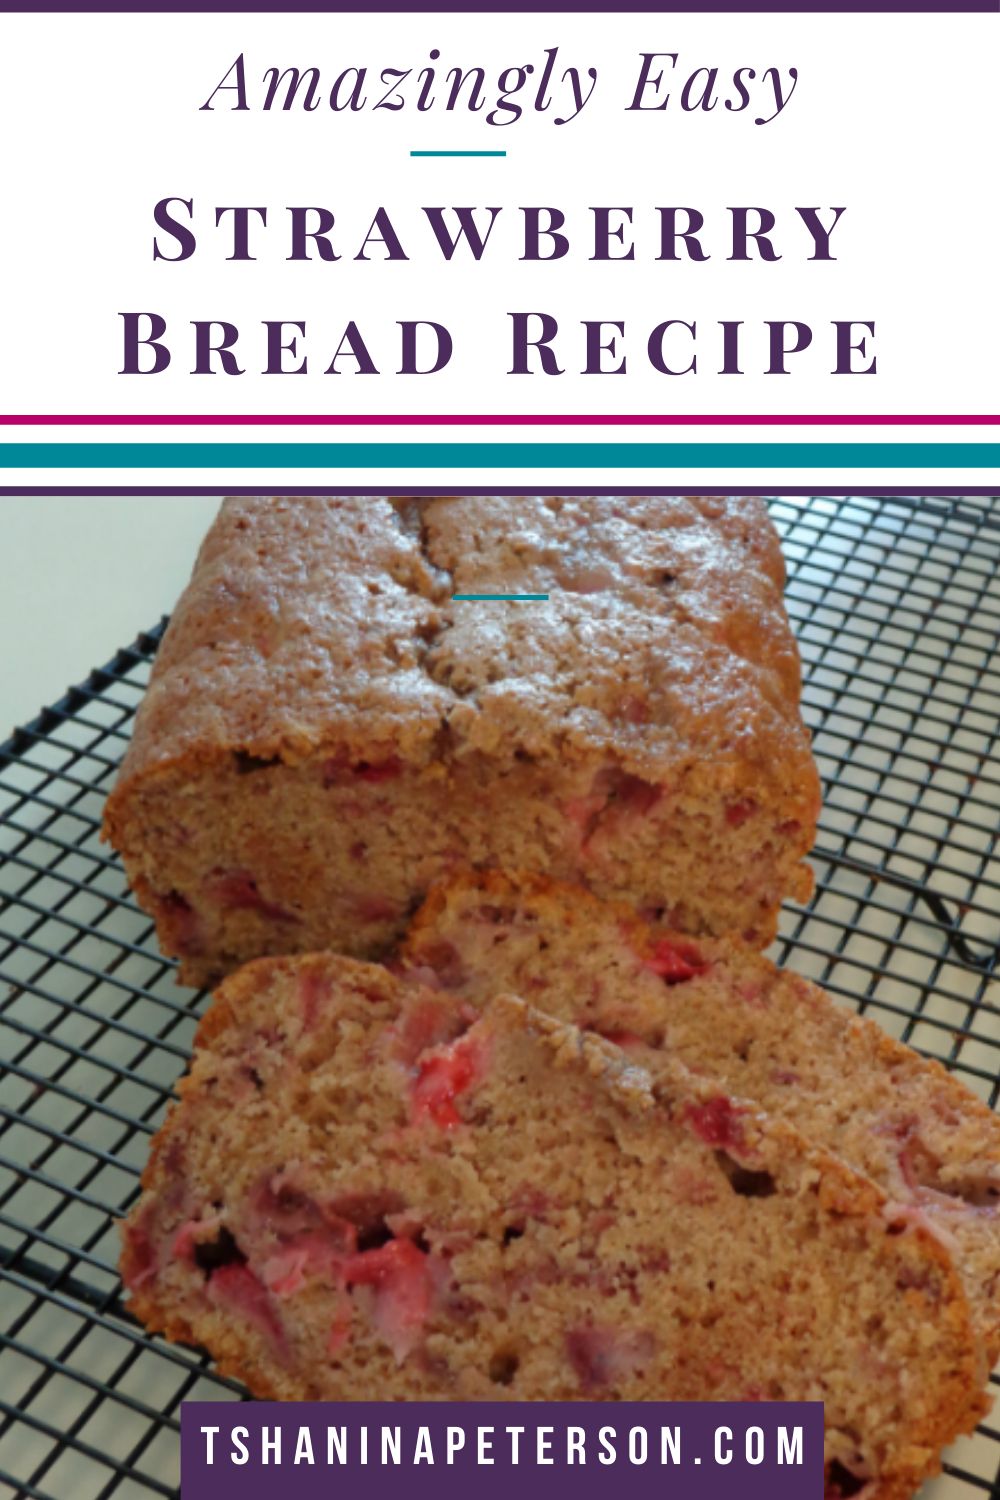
893,117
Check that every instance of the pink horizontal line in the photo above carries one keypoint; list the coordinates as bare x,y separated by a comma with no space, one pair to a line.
464,420
437,420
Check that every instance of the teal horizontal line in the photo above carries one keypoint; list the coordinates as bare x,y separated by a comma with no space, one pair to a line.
498,455
499,596
458,153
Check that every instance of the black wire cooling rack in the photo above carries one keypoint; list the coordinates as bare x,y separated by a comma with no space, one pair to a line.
896,603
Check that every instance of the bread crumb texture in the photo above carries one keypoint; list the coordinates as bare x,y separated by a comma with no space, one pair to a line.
371,1189
760,1032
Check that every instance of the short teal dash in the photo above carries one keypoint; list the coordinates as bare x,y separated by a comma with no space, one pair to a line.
499,596
458,153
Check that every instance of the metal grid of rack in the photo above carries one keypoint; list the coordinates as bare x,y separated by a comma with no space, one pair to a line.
896,604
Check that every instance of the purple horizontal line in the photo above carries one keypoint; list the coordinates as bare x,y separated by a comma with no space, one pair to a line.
529,7
869,491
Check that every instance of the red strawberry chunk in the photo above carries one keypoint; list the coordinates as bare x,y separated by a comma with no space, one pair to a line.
403,1282
139,1260
675,961
307,1255
237,889
623,1038
441,1077
314,992
444,959
426,1024
633,793
236,1288
717,1123
285,1272
193,1232
634,711
375,909
580,810
740,812
601,1356
379,770
185,927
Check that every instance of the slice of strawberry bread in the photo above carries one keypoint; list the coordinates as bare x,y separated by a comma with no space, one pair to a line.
327,729
369,1190
759,1031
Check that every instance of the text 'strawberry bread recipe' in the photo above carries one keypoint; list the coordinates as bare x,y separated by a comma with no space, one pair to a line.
370,1190
761,1032
327,731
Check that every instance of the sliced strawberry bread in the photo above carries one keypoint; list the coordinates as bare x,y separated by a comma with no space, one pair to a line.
327,729
371,1191
758,1031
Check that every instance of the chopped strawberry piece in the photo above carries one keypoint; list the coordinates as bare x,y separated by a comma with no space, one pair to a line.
441,1077
740,812
425,1024
752,993
184,927
633,793
443,958
139,1259
634,711
379,771
601,1356
278,1206
236,1288
285,1272
314,993
375,909
319,1253
580,810
717,1123
622,1038
237,889
414,974
790,828
403,1283
193,1233
675,961
907,1167
366,1213
398,1260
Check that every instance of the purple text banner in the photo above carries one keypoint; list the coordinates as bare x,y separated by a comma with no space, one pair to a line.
703,1450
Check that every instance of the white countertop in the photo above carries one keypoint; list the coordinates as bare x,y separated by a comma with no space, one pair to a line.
81,576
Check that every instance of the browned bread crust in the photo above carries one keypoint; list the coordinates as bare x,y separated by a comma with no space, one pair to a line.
761,1032
326,731
371,1191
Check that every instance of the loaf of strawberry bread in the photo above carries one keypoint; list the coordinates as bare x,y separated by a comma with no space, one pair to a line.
328,730
755,1030
371,1190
